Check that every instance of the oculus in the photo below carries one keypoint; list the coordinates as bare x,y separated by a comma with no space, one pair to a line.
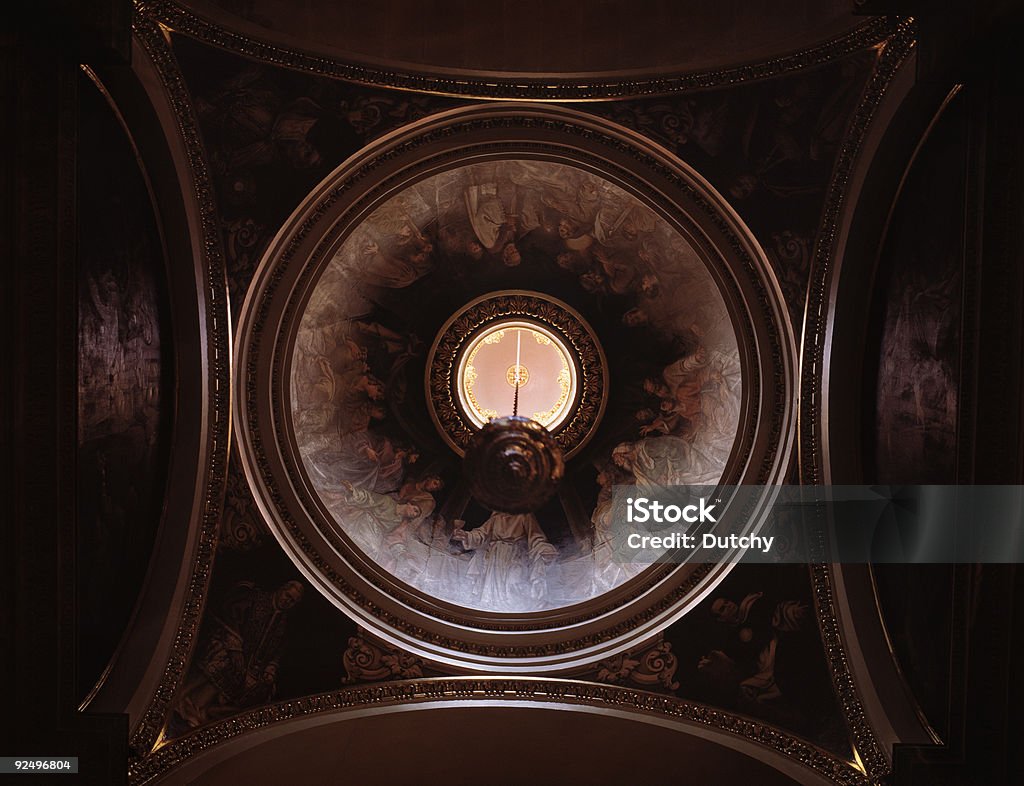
482,396
472,369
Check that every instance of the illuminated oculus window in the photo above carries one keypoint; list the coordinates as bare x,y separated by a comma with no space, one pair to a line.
488,371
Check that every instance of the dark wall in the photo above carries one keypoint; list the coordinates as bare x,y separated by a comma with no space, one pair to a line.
916,331
917,316
125,381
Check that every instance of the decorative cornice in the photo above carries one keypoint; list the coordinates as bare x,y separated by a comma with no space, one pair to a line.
891,57
467,690
540,88
218,388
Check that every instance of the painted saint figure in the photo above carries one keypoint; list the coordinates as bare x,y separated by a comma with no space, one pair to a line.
511,559
238,668
748,656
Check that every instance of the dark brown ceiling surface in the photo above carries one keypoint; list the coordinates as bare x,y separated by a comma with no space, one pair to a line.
499,745
539,36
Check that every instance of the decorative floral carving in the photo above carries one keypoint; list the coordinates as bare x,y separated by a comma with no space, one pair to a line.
240,528
368,661
650,667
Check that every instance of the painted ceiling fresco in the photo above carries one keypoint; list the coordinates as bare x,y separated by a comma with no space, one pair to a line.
768,147
672,413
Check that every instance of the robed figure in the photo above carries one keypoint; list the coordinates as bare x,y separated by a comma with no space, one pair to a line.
238,667
510,561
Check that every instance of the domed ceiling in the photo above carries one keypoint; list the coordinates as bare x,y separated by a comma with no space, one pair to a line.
387,324
357,400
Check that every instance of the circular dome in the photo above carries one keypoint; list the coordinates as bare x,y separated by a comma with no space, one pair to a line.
396,313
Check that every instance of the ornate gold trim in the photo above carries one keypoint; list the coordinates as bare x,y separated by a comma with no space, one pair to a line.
564,380
466,690
517,375
218,323
176,18
446,357
891,56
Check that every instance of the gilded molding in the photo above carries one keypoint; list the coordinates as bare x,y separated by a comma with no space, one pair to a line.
174,17
217,329
892,55
466,690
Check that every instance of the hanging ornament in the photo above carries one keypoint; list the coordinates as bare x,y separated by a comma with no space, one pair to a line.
513,465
